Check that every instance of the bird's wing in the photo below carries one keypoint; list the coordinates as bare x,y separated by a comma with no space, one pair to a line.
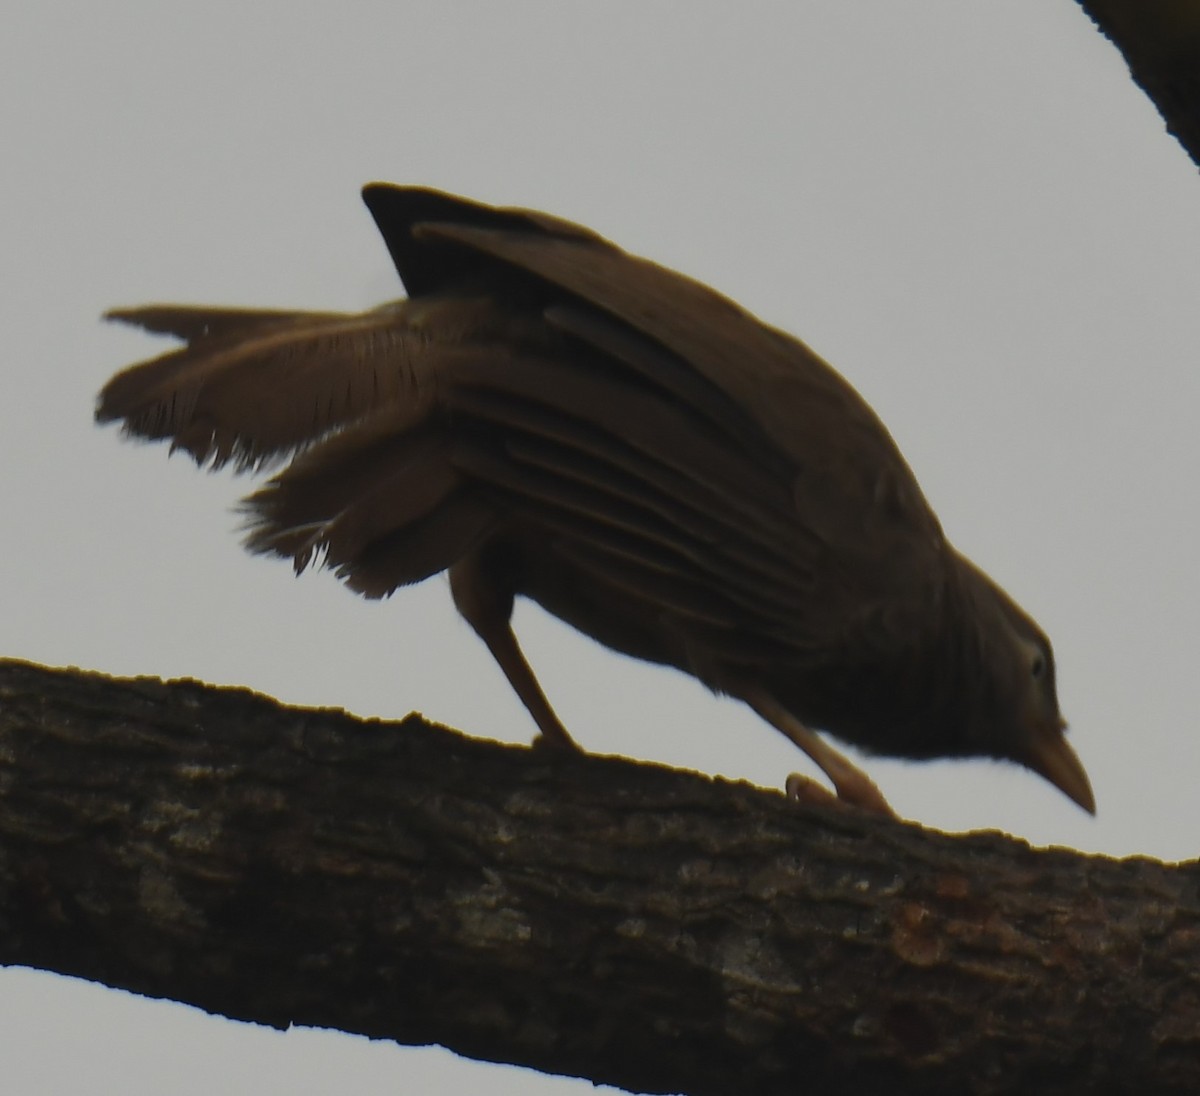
852,512
634,489
439,241
837,445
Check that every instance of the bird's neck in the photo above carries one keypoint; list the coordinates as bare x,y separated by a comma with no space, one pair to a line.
936,689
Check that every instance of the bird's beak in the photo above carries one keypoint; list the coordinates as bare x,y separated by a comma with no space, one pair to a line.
1051,757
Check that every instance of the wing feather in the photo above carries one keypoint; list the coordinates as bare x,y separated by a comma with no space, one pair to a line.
807,410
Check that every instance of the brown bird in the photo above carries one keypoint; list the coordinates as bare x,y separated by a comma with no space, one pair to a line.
547,415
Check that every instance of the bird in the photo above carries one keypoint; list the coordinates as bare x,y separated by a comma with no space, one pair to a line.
548,416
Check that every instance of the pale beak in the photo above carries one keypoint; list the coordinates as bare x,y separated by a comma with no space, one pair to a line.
1051,757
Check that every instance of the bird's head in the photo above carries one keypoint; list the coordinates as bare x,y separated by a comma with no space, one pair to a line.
1015,709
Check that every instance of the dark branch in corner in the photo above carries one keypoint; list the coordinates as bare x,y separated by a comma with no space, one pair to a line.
1160,41
652,929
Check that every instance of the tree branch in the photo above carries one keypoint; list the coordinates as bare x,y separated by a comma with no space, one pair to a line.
1160,41
648,928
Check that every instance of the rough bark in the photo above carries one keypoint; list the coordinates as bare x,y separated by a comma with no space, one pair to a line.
1160,41
652,929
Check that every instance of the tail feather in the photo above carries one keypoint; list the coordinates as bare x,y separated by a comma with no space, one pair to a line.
322,481
252,386
191,322
371,491
355,504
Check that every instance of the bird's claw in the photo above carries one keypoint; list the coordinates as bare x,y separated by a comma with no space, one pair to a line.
860,792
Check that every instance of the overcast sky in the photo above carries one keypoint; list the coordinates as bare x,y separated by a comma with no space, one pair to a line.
966,206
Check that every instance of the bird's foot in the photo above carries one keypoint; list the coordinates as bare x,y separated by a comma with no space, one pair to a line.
856,790
557,741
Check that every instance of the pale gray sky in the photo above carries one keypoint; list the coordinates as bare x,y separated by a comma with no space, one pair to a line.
966,206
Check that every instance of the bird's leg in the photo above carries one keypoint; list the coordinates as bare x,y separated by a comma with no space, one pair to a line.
852,784
486,604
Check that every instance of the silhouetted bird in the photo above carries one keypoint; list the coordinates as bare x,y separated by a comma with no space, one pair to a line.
546,415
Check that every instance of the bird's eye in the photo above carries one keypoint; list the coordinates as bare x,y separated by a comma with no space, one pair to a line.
1037,667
